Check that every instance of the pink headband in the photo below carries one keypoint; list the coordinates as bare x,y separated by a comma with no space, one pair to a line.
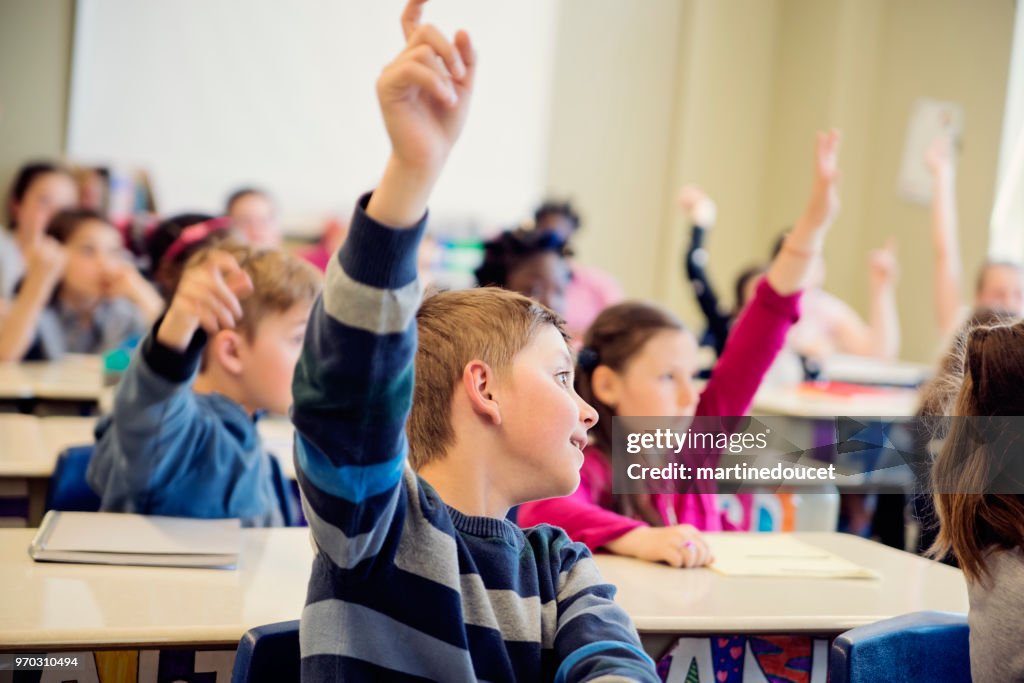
192,234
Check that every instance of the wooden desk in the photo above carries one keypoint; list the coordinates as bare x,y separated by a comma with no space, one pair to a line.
793,401
51,606
61,606
665,600
29,447
75,378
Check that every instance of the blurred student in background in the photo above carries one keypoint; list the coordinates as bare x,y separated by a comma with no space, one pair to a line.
999,285
590,290
81,293
253,214
40,190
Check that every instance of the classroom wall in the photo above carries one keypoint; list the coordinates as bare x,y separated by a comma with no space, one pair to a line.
613,99
35,65
730,94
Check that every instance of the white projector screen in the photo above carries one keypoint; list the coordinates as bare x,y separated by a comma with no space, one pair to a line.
209,95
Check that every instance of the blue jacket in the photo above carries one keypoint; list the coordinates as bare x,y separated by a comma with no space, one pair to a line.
166,450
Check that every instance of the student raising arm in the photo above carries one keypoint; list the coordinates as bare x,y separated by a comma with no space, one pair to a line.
421,576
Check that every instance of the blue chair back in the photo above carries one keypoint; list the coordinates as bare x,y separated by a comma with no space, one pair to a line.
69,491
923,647
268,654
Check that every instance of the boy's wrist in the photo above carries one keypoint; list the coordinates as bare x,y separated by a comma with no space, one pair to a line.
175,331
400,199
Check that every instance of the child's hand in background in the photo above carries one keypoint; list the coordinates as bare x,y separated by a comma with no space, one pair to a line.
884,266
699,207
939,157
824,204
125,281
679,546
46,262
208,297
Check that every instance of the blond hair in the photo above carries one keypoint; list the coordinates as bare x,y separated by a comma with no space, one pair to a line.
487,324
279,281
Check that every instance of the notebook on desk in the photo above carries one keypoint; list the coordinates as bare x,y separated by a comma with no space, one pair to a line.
780,556
127,539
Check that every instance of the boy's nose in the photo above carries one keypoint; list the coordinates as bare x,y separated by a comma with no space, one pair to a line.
587,413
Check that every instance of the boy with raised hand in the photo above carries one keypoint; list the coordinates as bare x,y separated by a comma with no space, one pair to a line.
418,575
183,443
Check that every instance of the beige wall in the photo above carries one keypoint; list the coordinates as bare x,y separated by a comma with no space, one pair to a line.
729,94
35,58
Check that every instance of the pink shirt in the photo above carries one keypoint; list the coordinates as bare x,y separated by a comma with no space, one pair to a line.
590,291
756,338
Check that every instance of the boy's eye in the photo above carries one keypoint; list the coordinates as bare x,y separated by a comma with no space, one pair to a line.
565,378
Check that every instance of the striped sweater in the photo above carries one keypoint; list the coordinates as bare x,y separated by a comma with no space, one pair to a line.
404,587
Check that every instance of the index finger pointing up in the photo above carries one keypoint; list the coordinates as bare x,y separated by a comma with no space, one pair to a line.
411,16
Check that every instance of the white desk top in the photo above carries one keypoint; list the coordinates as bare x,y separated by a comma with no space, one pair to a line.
51,604
864,370
29,445
73,378
663,599
797,401
90,605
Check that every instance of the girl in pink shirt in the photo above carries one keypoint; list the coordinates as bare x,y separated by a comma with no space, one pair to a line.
639,360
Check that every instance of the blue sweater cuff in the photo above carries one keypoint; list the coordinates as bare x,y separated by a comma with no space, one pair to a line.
377,255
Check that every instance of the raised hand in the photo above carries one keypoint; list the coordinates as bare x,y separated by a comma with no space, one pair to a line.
883,265
424,97
699,207
939,157
823,206
46,261
208,296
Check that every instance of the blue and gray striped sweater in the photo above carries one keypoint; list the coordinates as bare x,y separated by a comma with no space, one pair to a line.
404,587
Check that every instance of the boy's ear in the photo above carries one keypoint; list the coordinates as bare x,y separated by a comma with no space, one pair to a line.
224,348
606,385
478,381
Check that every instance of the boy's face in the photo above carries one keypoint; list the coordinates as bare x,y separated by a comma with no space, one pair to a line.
268,360
1002,289
48,195
253,215
544,422
95,256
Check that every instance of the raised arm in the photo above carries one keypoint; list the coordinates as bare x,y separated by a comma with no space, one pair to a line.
701,212
354,381
945,234
44,273
760,331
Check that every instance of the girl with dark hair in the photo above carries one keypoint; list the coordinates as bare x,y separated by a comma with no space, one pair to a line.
39,191
639,360
531,262
80,293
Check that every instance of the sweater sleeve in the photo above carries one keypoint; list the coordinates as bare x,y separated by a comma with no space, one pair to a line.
595,640
756,339
580,514
353,390
155,417
695,260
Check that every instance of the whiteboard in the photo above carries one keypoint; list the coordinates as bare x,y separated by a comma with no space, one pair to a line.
209,95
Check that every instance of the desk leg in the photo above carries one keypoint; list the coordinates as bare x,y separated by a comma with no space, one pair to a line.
37,490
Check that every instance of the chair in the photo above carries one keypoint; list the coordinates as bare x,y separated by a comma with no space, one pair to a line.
69,491
268,654
922,647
